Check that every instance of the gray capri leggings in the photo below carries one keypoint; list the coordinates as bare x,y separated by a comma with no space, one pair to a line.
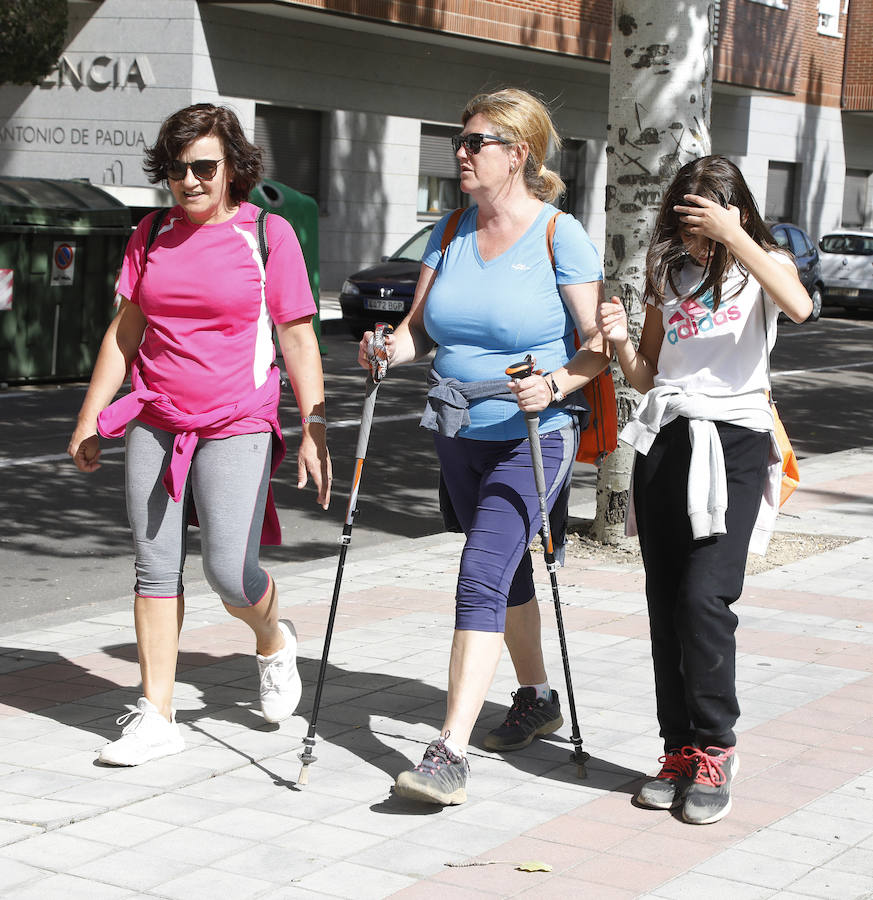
228,481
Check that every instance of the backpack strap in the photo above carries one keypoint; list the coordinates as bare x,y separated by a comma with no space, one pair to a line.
157,221
451,229
262,237
263,245
550,237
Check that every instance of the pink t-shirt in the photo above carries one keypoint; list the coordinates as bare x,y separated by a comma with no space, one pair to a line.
209,305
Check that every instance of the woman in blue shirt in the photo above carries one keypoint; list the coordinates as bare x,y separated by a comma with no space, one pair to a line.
487,298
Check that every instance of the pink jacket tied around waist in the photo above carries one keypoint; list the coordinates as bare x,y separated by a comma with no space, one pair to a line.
261,404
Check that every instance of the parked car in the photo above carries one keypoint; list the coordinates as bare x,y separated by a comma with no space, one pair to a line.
807,260
384,292
847,268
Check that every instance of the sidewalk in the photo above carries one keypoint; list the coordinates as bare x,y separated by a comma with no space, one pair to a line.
225,818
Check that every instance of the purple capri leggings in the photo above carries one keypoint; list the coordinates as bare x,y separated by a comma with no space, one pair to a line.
492,489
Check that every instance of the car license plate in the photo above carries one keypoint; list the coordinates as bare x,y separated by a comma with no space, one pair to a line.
384,305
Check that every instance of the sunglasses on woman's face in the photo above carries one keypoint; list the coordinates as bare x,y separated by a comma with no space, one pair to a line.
475,141
203,169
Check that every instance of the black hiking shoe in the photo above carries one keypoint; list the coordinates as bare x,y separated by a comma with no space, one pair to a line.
709,798
527,718
667,789
441,777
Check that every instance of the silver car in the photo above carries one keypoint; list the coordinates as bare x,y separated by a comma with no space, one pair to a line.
847,268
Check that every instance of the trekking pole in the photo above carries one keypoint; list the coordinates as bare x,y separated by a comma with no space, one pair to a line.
378,368
517,371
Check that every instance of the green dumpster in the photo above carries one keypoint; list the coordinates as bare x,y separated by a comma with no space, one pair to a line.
61,246
302,212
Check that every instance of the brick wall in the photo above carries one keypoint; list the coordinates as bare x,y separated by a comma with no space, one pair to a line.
858,86
780,50
575,27
759,46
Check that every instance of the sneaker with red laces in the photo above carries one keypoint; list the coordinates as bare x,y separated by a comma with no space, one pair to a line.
441,777
708,799
527,718
667,789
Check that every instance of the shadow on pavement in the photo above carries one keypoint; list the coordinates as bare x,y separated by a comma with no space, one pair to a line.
46,684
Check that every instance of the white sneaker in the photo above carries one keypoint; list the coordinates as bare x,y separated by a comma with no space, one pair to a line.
281,687
147,735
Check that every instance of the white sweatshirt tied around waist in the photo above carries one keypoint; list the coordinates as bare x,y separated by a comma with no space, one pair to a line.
707,479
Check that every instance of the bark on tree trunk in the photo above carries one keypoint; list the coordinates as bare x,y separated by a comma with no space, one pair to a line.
660,87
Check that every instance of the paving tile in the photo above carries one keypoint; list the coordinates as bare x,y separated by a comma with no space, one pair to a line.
119,829
369,883
827,882
131,869
70,888
207,884
696,884
55,851
756,868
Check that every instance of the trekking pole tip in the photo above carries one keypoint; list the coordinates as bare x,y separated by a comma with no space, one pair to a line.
303,777
580,757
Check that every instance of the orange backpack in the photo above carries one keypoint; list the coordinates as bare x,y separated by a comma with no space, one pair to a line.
600,437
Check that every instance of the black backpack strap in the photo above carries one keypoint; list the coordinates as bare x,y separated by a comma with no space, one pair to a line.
262,237
157,221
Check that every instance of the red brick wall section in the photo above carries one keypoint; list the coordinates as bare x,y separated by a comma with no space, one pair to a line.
858,86
780,50
575,27
759,46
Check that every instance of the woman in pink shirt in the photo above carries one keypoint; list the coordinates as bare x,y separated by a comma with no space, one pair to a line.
194,330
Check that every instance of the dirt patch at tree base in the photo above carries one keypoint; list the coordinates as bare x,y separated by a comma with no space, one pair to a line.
785,547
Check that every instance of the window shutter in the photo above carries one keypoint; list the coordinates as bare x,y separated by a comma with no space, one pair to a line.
291,142
436,156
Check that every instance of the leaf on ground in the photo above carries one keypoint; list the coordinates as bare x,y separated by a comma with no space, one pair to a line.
534,867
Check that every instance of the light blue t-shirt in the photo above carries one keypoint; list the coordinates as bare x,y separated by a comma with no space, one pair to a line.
484,316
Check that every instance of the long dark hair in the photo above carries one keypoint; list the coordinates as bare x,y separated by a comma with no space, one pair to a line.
717,179
244,160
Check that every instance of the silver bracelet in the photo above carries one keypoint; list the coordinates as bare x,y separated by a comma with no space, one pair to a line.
314,420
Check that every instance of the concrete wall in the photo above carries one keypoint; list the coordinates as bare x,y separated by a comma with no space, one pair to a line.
754,130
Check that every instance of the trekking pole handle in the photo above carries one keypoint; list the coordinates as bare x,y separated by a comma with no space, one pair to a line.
516,372
378,356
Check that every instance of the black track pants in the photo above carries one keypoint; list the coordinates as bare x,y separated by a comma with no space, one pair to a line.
690,584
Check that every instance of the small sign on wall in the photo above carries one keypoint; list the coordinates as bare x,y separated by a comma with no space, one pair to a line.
6,280
63,264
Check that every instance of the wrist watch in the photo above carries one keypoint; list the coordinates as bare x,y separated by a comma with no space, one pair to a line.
314,420
557,393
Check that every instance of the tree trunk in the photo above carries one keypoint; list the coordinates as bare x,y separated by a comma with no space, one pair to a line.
660,86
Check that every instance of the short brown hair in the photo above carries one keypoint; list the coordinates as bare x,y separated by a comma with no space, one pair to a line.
244,160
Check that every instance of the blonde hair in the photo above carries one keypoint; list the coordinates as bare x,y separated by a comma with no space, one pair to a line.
518,116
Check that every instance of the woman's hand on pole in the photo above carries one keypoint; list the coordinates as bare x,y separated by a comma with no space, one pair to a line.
533,393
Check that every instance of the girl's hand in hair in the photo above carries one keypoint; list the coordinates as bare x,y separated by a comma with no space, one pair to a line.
705,218
612,320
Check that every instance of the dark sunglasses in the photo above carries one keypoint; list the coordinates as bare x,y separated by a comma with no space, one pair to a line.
475,141
203,169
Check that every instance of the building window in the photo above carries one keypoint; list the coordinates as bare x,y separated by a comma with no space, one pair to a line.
439,187
779,4
291,142
781,180
855,193
829,17
571,168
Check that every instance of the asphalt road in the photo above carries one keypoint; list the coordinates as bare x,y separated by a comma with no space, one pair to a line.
66,545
